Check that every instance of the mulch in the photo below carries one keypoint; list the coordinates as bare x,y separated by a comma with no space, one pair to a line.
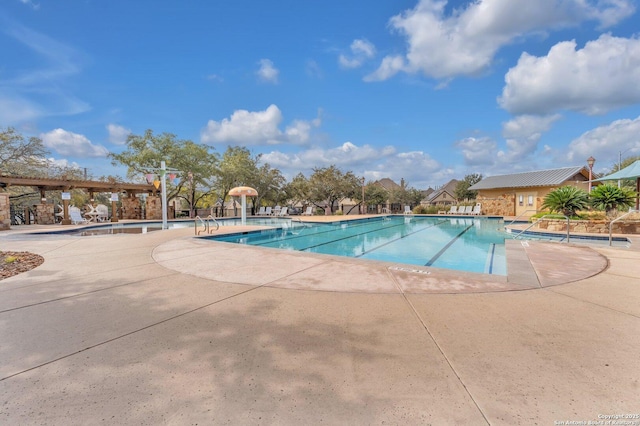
15,262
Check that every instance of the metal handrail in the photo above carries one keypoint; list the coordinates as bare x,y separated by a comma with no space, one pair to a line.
519,216
205,225
539,219
210,219
617,219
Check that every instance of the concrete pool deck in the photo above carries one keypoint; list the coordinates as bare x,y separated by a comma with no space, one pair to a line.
165,328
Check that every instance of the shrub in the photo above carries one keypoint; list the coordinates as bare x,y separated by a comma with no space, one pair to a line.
609,198
566,200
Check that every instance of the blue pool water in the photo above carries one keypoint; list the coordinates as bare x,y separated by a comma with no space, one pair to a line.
467,244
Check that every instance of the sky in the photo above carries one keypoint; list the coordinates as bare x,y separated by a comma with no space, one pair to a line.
420,90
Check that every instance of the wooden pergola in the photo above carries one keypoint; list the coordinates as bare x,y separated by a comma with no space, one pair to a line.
50,184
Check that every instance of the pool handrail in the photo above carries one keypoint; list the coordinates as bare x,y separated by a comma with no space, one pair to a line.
520,215
206,224
539,219
617,219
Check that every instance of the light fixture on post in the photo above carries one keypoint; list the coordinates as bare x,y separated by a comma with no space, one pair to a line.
590,161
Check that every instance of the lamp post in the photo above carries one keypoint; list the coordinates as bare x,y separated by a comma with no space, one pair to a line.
590,161
364,209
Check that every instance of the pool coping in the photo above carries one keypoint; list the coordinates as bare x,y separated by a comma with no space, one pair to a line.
528,267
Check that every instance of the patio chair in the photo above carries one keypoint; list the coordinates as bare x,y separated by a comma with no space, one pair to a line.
467,210
60,215
453,210
283,211
308,212
276,211
261,212
76,216
103,213
407,210
267,211
477,209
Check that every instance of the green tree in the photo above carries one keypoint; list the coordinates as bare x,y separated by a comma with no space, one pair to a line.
329,185
298,190
237,168
21,156
196,163
375,195
566,200
610,198
462,192
269,183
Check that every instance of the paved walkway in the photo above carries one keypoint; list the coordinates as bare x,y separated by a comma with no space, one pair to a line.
164,328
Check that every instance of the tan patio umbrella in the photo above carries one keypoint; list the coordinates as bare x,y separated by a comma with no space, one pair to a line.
243,192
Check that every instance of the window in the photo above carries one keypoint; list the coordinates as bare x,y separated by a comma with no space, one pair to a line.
521,200
530,201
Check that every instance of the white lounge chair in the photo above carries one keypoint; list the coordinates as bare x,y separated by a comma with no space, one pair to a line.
308,212
76,216
261,211
477,209
453,210
267,211
467,210
103,213
407,210
276,211
283,211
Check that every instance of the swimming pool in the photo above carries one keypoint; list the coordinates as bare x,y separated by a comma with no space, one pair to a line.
150,226
466,244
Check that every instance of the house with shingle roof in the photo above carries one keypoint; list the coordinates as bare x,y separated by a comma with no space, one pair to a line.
523,193
445,195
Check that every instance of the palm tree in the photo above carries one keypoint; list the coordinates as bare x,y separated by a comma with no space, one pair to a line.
609,198
566,200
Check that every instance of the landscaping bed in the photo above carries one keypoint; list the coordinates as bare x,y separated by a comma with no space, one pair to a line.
15,262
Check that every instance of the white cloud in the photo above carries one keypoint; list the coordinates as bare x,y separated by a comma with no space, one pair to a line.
267,72
32,93
118,134
16,109
416,167
602,76
466,41
522,135
477,151
313,69
63,163
390,66
361,50
528,126
257,128
31,4
72,144
606,142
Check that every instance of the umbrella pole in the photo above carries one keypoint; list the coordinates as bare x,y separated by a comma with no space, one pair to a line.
638,193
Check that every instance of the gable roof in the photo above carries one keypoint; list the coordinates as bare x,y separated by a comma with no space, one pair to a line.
388,184
449,188
552,177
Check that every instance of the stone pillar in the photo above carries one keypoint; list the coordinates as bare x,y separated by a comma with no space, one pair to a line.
5,212
131,208
154,207
45,214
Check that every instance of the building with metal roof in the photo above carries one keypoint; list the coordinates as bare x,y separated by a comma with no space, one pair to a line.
522,194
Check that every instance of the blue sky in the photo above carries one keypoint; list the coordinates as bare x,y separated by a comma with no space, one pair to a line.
422,90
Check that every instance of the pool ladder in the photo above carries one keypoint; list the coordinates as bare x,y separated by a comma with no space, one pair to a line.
539,219
207,225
